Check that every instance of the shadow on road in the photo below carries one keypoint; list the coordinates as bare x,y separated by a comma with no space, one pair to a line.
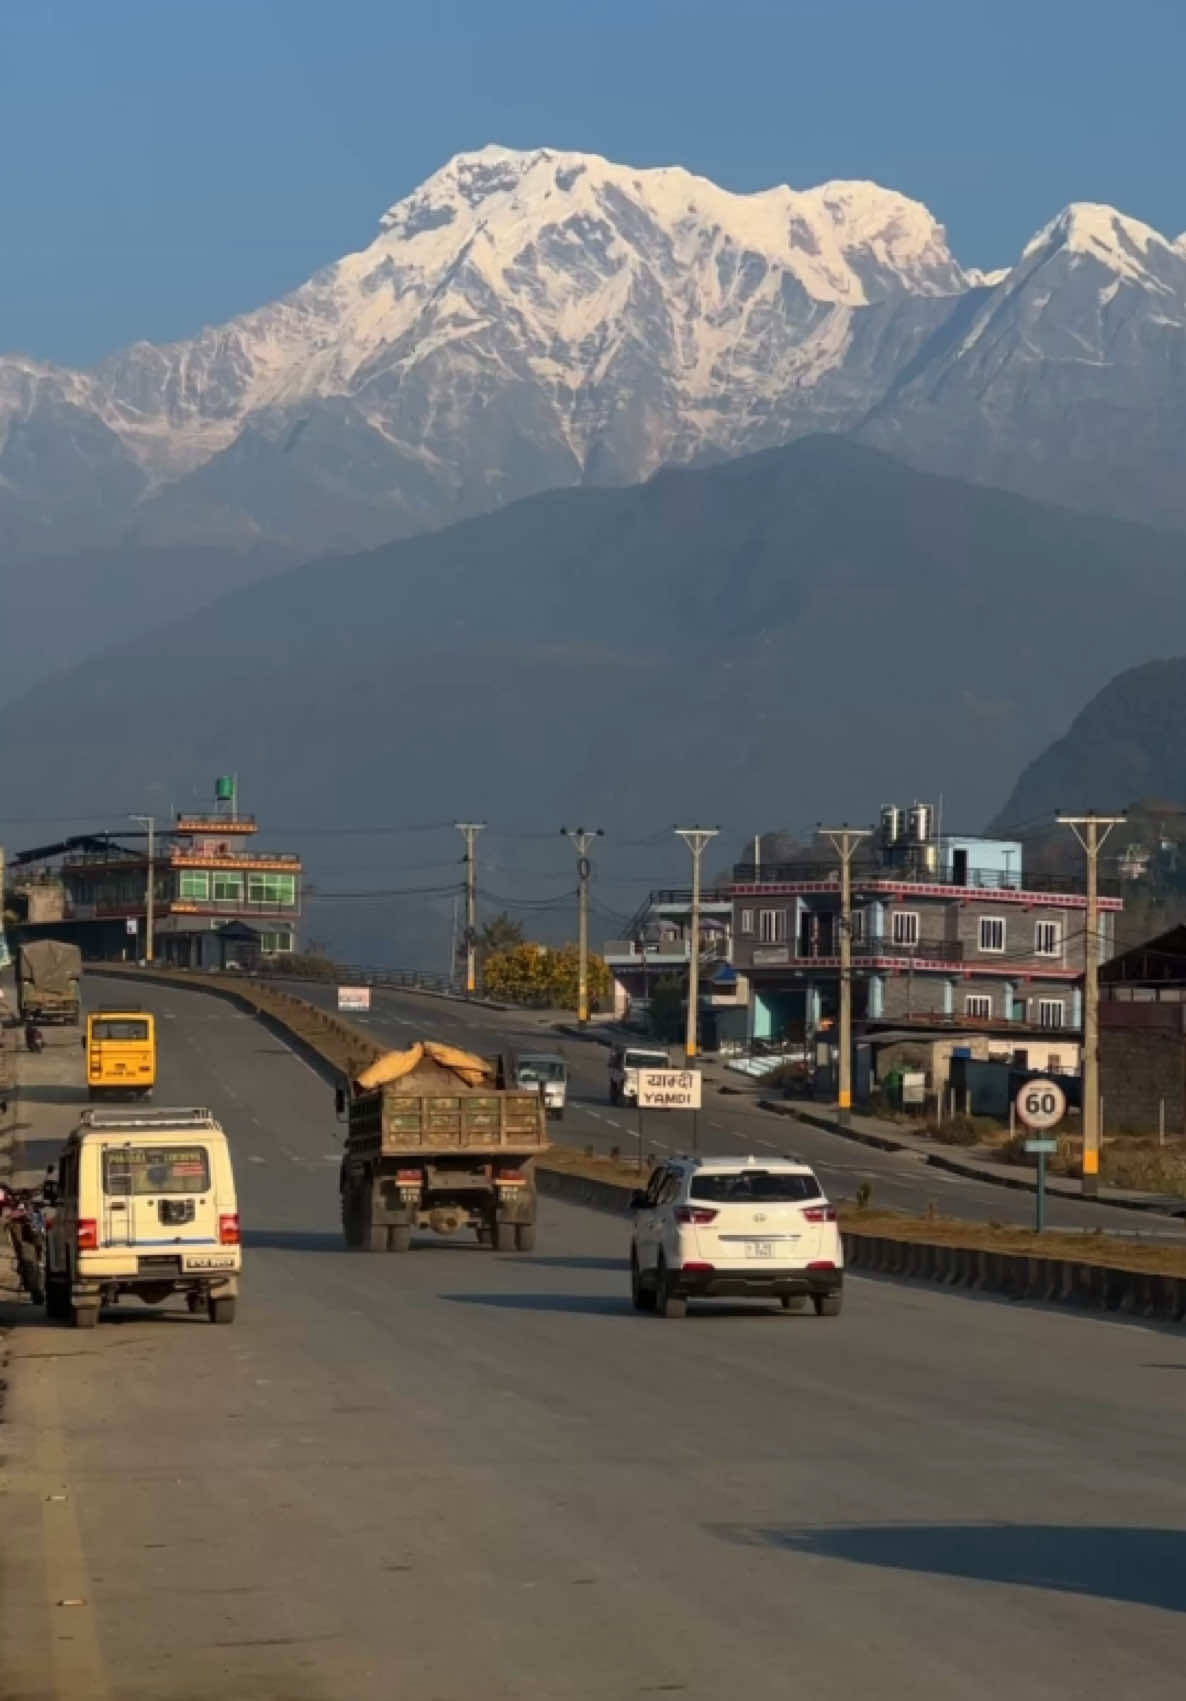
576,1263
592,1303
49,1093
1139,1564
294,1240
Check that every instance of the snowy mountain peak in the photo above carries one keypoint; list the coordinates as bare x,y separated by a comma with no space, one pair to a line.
1094,230
844,242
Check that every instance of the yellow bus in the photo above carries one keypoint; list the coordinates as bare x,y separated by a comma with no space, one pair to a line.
120,1053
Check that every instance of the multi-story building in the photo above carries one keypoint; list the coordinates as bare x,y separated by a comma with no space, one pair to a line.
658,944
947,932
217,897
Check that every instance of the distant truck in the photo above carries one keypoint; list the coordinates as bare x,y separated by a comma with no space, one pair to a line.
48,972
547,1072
445,1142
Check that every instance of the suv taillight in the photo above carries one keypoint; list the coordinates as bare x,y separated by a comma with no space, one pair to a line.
820,1213
228,1229
88,1234
694,1214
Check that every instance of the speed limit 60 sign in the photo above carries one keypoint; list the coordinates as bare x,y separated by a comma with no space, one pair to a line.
1041,1104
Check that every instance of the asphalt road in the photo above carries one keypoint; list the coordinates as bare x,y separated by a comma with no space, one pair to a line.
899,1180
456,1473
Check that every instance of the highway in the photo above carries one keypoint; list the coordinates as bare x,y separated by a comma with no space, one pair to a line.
456,1473
899,1180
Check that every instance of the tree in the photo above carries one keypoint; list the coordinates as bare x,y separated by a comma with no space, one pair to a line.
503,933
564,978
518,974
668,997
538,974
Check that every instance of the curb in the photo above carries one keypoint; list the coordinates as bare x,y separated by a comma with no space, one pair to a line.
1140,1294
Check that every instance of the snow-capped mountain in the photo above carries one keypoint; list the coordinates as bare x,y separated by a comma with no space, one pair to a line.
1067,380
526,320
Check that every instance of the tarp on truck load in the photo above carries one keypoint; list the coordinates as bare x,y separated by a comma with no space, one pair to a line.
50,966
394,1065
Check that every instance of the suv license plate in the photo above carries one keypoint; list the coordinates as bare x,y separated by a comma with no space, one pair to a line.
759,1249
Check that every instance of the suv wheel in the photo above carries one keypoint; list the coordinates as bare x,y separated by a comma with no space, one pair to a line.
793,1301
642,1295
827,1304
668,1303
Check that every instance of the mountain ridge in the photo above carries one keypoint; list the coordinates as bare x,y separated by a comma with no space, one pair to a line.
529,319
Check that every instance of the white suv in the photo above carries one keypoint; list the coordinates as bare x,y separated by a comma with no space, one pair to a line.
717,1228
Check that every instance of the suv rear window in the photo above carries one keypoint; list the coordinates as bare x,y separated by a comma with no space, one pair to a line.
647,1060
156,1169
760,1186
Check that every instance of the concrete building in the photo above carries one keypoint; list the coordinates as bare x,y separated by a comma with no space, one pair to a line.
1143,1037
217,898
657,944
947,934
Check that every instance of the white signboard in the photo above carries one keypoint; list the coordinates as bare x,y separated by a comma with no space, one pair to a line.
1041,1104
354,998
132,924
669,1089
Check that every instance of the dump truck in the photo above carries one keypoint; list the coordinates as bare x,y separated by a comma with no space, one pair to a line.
440,1139
48,972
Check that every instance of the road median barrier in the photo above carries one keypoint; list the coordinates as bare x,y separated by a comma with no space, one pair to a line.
1097,1271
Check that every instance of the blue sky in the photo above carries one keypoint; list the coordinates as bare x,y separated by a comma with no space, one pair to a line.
170,162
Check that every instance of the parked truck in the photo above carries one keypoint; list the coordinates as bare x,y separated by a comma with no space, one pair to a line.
440,1139
48,972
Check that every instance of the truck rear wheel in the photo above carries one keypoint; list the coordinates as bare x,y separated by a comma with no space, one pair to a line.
351,1217
222,1310
504,1237
57,1299
524,1237
399,1238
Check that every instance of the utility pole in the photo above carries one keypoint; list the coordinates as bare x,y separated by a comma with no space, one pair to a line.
1091,830
696,838
844,841
469,830
582,838
149,821
453,946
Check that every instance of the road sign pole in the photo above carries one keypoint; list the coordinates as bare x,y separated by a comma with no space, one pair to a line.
1041,1198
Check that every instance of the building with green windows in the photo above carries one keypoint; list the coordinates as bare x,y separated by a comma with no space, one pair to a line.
218,900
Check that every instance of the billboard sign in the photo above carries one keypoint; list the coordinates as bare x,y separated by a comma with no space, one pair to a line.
669,1089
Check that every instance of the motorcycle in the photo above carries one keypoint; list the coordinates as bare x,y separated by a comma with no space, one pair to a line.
24,1218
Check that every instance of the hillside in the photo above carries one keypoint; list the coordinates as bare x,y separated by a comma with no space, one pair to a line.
795,634
1125,744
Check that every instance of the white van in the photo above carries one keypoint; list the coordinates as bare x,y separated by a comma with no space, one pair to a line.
624,1063
144,1203
548,1071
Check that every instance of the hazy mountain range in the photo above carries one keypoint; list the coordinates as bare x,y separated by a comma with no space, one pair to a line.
807,631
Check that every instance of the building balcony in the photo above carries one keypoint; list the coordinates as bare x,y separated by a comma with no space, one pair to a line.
751,880
216,825
181,858
633,953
